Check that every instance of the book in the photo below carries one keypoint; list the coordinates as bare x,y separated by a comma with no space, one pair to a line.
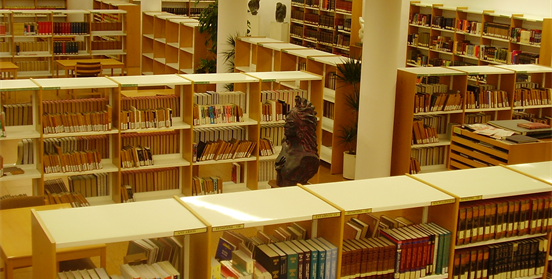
292,260
268,259
224,250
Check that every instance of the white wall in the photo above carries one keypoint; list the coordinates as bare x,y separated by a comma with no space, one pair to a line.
232,19
541,8
267,13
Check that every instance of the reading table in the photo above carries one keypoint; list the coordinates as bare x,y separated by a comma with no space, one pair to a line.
16,244
70,65
8,70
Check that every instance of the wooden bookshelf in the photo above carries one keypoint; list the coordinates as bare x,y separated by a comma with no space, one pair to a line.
445,36
539,170
246,52
34,4
171,44
471,150
330,26
201,220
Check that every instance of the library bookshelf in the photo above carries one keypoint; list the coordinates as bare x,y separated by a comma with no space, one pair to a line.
474,189
443,36
246,57
505,80
171,44
125,102
34,4
65,34
322,209
540,170
331,26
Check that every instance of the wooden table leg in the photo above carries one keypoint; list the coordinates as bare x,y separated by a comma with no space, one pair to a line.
9,270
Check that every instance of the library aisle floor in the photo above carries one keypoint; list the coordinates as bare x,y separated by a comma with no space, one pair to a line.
116,251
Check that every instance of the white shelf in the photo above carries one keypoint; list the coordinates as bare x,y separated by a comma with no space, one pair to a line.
117,222
374,194
259,208
75,83
21,132
160,60
484,183
541,170
327,124
214,162
329,95
60,135
432,71
326,153
108,33
107,167
157,195
281,46
304,53
17,85
482,70
156,80
162,161
254,40
30,173
284,76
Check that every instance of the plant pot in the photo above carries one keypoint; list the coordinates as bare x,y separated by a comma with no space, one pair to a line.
349,165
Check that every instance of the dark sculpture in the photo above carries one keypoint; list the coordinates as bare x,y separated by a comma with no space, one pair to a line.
254,6
298,160
280,12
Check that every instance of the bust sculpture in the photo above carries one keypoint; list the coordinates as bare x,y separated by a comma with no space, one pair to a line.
254,6
280,12
298,160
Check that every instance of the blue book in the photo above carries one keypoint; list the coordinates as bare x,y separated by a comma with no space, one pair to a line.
313,259
332,259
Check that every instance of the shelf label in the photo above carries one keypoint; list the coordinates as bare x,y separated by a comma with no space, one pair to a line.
269,80
201,82
521,72
474,198
360,211
284,51
327,215
457,130
230,227
442,202
185,232
18,89
129,85
50,88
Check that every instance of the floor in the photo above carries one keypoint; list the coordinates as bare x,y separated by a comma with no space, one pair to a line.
116,251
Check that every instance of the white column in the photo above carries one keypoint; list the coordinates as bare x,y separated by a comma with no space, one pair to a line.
384,50
232,20
150,5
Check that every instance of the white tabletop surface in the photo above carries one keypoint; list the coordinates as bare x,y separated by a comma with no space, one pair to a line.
118,222
75,83
304,53
150,80
432,71
541,170
331,60
281,46
259,208
17,85
484,183
285,76
380,194
529,68
482,70
219,78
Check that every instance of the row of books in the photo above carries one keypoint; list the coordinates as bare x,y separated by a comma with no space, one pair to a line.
311,18
74,161
532,117
136,156
480,117
326,21
69,47
443,22
127,194
90,185
532,97
274,110
414,167
18,114
223,133
71,28
439,122
2,124
32,28
25,152
146,118
143,271
183,11
5,46
155,250
31,46
74,105
495,219
223,150
494,54
207,185
526,36
96,121
521,57
495,29
431,88
37,65
163,142
423,134
516,259
297,14
469,26
114,44
266,147
3,28
91,273
288,96
56,193
237,172
425,102
344,6
106,25
267,170
152,102
147,180
217,114
486,99
429,156
274,134
218,98
441,43
100,143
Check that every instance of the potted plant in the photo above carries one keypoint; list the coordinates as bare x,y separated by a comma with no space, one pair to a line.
349,73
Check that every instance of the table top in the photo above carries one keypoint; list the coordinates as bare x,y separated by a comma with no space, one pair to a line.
8,66
104,62
15,229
